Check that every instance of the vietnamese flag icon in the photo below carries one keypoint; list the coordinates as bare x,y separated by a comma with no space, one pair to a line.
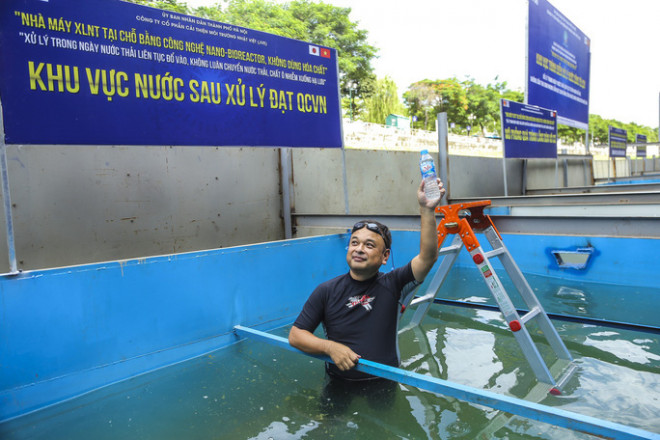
325,53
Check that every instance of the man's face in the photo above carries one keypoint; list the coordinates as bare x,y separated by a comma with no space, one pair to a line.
366,253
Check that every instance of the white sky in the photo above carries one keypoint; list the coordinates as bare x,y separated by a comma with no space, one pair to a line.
484,39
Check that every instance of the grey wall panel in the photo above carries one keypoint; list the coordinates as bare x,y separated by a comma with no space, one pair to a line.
483,177
382,183
80,204
563,172
317,181
378,182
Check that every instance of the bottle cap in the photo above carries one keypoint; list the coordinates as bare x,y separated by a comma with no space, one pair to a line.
424,152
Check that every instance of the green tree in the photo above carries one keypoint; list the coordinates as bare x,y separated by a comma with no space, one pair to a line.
465,102
260,15
598,129
484,105
513,95
570,135
383,101
635,129
425,99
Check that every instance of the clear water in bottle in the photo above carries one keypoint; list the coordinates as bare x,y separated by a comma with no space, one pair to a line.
427,167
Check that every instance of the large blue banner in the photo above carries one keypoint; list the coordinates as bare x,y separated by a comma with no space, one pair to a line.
111,72
558,61
528,131
618,141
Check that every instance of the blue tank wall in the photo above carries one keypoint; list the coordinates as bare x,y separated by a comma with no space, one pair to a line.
67,331
622,261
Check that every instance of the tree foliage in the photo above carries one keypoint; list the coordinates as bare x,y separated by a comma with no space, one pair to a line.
424,99
466,103
382,102
484,105
469,104
599,130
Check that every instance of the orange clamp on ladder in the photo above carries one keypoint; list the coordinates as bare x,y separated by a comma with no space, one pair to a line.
460,221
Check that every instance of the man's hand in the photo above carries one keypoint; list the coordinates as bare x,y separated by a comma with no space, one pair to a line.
341,355
426,203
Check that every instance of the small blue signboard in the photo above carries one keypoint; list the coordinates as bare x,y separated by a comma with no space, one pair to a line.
641,149
558,64
112,72
618,141
528,131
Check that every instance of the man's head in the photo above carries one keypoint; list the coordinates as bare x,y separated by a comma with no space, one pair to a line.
368,249
376,227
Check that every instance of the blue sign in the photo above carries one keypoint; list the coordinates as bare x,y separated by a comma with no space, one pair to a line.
558,61
111,72
641,149
618,141
528,131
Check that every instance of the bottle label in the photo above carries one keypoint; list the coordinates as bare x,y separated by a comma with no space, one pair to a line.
427,168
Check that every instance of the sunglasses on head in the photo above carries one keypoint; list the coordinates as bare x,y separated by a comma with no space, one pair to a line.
373,227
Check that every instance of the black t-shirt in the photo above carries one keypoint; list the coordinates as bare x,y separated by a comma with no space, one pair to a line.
359,314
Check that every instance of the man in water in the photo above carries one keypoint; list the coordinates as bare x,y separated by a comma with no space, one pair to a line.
359,309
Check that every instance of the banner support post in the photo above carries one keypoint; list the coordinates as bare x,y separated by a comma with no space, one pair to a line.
6,197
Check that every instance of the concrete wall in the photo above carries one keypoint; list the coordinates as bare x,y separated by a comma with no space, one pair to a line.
483,177
378,182
83,204
564,172
604,169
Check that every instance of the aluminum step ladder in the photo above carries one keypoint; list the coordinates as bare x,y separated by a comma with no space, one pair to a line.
461,220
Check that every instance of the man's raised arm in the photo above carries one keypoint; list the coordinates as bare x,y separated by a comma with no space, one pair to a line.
428,241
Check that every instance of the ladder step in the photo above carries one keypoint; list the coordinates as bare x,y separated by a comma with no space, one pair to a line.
566,376
494,252
426,298
450,249
530,315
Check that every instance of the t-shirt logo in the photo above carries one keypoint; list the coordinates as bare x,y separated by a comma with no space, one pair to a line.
364,301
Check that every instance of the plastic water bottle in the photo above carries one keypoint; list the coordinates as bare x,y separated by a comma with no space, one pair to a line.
429,176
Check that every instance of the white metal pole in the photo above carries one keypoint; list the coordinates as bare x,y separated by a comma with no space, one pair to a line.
506,189
443,155
345,178
285,161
